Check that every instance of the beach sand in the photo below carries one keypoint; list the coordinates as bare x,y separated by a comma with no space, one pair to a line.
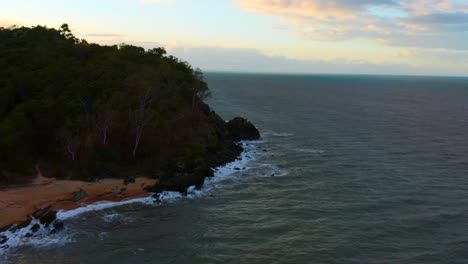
17,203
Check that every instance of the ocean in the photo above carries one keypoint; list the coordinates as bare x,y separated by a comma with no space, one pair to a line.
350,169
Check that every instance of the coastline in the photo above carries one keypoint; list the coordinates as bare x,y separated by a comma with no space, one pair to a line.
39,208
17,204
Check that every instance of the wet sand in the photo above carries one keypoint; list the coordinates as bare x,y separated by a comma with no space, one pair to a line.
17,203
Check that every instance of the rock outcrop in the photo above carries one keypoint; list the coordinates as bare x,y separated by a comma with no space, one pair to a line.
241,129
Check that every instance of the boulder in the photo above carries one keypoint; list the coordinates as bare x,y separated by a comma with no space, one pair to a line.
59,226
5,228
35,228
181,181
129,179
3,239
48,218
40,212
23,224
77,196
240,129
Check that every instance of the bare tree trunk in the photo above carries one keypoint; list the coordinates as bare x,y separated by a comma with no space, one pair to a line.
104,140
72,153
137,142
142,117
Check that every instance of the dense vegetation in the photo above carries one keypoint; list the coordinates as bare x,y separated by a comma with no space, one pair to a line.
79,110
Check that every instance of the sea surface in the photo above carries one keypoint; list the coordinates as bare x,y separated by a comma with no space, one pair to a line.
350,169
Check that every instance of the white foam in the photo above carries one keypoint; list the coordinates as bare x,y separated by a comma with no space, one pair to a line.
42,238
312,151
283,134
64,215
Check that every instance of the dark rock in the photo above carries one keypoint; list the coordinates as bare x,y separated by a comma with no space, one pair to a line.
48,218
28,235
181,181
273,175
129,179
6,228
23,224
3,239
265,150
241,129
40,212
236,168
79,195
35,228
59,226
157,198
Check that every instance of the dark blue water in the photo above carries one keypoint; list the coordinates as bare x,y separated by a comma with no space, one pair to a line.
367,169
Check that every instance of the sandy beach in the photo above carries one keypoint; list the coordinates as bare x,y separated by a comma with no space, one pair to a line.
16,204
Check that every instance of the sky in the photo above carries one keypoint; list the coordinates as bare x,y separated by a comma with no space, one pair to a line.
418,37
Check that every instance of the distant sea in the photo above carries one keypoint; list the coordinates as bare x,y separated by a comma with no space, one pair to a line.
351,169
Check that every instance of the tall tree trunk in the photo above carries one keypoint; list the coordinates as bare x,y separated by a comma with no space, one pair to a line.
72,153
137,141
104,135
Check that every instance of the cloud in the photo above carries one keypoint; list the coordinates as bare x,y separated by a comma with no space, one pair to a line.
404,23
251,60
402,53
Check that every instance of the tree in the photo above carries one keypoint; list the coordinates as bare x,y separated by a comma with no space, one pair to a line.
142,112
104,118
199,88
66,32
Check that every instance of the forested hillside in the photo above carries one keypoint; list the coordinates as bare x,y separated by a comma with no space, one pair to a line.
78,110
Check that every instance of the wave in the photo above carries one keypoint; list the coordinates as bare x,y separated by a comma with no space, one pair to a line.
311,151
44,237
284,134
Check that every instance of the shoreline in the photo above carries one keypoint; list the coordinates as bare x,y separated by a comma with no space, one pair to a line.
18,204
41,223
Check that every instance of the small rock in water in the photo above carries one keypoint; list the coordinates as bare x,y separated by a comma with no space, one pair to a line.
3,239
28,235
157,198
58,226
35,228
265,150
273,175
77,196
244,168
236,168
